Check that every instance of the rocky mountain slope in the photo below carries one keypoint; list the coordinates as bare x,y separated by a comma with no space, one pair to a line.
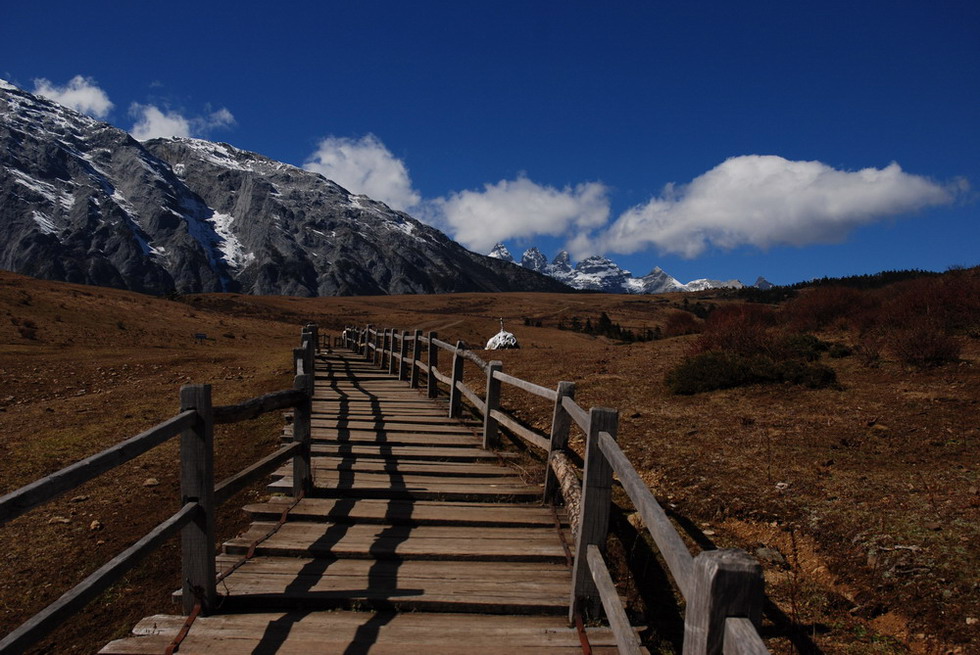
601,274
82,201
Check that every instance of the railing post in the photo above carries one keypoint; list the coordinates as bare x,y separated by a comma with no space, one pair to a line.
454,394
561,422
386,348
431,390
314,331
727,583
594,514
416,357
299,360
403,355
393,357
302,413
378,347
367,342
491,432
306,342
197,484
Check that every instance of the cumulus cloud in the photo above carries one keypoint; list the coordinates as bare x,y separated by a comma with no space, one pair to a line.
764,201
81,94
521,208
153,122
365,166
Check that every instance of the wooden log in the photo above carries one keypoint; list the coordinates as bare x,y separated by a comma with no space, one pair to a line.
742,638
448,347
432,360
231,486
456,381
594,513
41,491
626,638
255,407
197,485
491,435
561,423
570,486
416,356
70,603
470,355
579,415
669,542
302,420
530,387
726,583
521,431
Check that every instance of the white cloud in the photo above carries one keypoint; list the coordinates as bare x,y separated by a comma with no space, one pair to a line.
81,94
521,208
153,122
365,166
764,201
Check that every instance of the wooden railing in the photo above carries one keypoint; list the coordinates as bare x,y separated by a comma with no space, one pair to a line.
200,495
722,589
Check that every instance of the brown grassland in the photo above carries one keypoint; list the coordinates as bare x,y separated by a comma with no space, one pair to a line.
860,498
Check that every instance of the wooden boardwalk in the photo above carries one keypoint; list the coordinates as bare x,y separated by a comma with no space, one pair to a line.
414,540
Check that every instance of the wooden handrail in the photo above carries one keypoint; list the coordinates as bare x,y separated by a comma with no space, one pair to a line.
530,387
41,491
579,415
472,397
81,594
669,543
627,640
255,407
195,521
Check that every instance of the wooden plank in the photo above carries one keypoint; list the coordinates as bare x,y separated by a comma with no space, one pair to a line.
391,465
416,452
530,387
472,397
419,512
392,423
41,491
299,633
393,438
626,639
104,577
300,539
408,585
342,486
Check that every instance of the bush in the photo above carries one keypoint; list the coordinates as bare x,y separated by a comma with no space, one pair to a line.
716,369
680,323
801,346
742,329
825,306
922,344
840,350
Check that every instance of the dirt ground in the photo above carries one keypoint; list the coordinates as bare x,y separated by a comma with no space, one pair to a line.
861,501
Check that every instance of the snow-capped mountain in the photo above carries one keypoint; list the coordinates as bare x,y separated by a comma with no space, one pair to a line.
82,201
601,274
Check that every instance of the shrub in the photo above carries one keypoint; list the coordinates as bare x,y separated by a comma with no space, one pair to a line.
922,344
716,369
801,346
825,306
742,329
681,323
840,350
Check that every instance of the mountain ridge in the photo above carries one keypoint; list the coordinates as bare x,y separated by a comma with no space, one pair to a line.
83,201
599,273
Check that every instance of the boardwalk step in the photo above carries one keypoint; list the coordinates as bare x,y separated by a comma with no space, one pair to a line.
406,585
307,539
415,453
397,512
398,467
340,484
300,633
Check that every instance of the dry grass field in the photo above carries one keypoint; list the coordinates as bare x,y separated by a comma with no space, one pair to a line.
860,498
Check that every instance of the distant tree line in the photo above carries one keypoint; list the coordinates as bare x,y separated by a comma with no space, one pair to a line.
605,327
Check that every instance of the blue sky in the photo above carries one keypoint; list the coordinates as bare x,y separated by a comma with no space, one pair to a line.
790,140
